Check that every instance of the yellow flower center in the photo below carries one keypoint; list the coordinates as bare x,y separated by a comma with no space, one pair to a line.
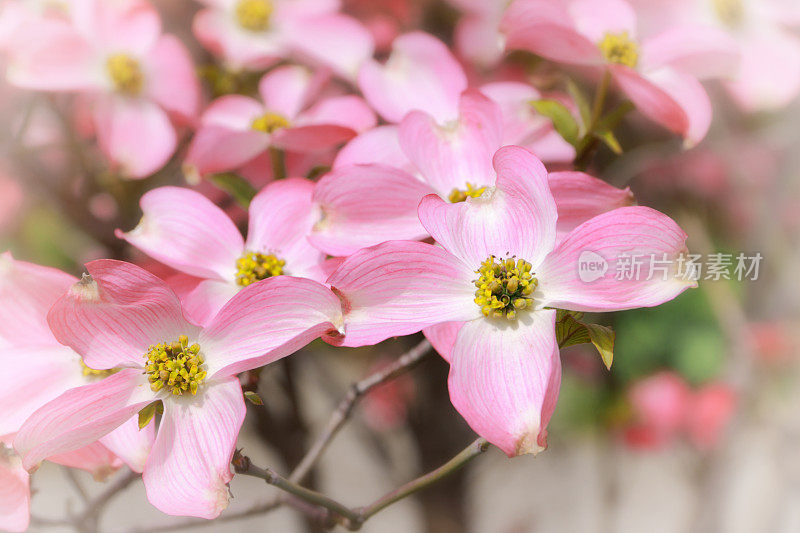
504,287
254,266
253,15
459,195
92,373
125,73
620,48
177,366
730,12
270,122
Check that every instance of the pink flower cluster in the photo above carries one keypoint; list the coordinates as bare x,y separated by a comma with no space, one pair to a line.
438,215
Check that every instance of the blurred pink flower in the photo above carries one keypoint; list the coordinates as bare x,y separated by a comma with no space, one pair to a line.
120,316
505,368
380,177
186,231
478,37
386,406
255,34
136,77
235,129
385,19
711,409
11,198
658,73
15,493
659,405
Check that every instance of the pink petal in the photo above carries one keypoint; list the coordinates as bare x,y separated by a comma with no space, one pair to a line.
703,52
189,468
27,292
114,316
547,29
379,145
132,26
282,216
202,299
421,74
288,89
15,495
443,337
188,232
172,82
552,148
364,205
266,321
520,121
580,197
504,380
479,40
136,135
633,232
517,217
240,49
233,112
312,138
131,444
93,458
348,111
34,375
456,153
334,40
595,18
398,288
676,101
81,416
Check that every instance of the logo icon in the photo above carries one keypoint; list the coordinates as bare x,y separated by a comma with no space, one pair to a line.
591,266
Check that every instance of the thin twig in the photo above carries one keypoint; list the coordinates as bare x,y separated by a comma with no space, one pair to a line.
93,509
76,484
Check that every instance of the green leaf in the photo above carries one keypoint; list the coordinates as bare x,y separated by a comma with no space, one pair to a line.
147,414
608,138
580,100
562,118
235,185
603,339
253,398
570,332
612,119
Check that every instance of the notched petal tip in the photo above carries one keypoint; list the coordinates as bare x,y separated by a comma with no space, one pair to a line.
86,290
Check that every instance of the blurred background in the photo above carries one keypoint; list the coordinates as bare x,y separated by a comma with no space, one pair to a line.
695,428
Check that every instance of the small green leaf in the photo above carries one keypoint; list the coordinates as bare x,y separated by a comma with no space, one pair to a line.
235,185
570,332
612,119
253,398
562,118
147,414
610,140
580,100
603,339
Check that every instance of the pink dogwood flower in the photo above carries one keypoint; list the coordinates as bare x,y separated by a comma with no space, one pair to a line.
136,78
186,231
478,37
255,34
364,201
499,269
122,317
658,73
15,493
236,129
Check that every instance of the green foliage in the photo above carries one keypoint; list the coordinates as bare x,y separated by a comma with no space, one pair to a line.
235,185
570,331
563,121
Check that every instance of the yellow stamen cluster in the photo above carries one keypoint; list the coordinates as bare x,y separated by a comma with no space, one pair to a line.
270,122
505,287
126,74
459,195
92,373
730,12
620,48
177,366
253,15
254,266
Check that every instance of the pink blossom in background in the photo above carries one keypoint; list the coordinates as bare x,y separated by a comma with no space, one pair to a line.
186,231
256,34
385,19
711,410
659,404
478,37
386,406
236,130
11,200
138,80
505,370
120,316
658,72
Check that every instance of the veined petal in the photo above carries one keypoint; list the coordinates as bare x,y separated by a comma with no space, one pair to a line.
517,217
443,337
15,495
580,197
379,145
112,317
458,152
615,243
81,416
219,149
189,468
93,458
504,379
266,321
363,205
421,74
347,111
282,216
400,287
185,230
130,443
27,292
202,299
